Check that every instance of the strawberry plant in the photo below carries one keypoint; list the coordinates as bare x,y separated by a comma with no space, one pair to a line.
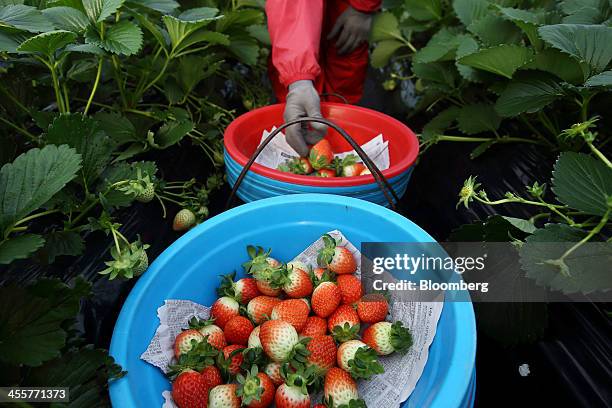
492,72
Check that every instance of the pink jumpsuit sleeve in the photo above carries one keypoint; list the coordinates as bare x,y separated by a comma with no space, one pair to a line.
365,6
295,32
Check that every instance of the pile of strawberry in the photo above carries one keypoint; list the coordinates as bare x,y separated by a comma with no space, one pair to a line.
284,334
322,163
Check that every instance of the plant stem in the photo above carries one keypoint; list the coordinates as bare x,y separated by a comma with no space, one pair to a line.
95,87
14,100
34,216
517,200
163,206
503,139
599,154
157,77
56,87
20,130
66,97
591,234
83,213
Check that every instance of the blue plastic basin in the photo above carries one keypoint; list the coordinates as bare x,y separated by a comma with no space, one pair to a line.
188,269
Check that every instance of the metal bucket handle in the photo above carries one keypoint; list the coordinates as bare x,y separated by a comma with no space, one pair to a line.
380,179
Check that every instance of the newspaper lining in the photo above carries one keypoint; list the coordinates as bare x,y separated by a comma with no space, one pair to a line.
389,389
278,151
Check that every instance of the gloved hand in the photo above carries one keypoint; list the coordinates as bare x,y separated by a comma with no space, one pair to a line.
352,29
303,100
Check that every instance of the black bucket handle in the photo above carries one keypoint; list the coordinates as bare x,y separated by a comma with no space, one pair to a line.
380,179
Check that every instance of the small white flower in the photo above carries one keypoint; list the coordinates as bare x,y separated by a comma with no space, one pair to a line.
524,370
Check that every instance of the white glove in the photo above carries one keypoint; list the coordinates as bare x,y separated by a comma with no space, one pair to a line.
303,100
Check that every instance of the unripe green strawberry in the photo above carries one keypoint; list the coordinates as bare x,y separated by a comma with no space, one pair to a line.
147,194
183,220
142,265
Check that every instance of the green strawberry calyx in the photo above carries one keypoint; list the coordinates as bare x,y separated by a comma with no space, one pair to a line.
365,364
400,338
249,387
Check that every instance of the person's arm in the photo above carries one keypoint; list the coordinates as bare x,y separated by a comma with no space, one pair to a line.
295,33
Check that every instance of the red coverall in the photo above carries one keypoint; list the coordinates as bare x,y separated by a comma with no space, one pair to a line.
300,49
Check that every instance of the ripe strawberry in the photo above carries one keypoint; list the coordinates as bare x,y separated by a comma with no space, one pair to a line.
186,340
214,336
298,165
293,393
372,308
325,299
294,280
261,266
273,370
256,390
223,310
306,302
190,390
183,220
231,359
293,311
352,170
338,259
386,338
321,154
254,341
238,330
343,324
319,274
260,308
243,290
211,332
224,396
325,173
350,287
315,326
339,387
358,359
278,339
212,376
322,353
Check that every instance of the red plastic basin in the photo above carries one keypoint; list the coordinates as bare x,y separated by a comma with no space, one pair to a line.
243,135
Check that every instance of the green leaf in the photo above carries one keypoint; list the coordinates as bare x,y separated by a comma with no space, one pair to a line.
33,178
47,43
26,18
239,19
470,10
193,69
603,79
478,118
583,183
439,74
85,371
439,123
383,52
163,6
154,29
260,32
385,27
99,10
9,42
179,28
441,47
85,136
31,319
468,45
494,30
424,10
245,48
526,20
557,63
502,60
61,243
19,247
587,268
67,18
86,49
530,94
123,38
211,37
171,133
587,43
118,127
521,224
585,11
